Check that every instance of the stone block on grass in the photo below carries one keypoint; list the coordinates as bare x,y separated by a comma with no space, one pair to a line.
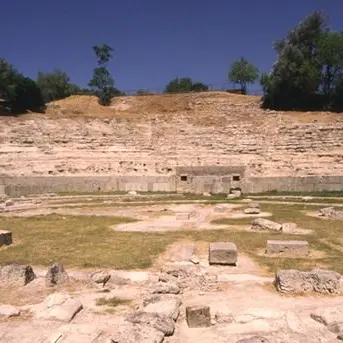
5,237
296,248
223,253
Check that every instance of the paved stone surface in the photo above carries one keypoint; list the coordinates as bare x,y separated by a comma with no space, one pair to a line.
223,253
158,321
331,316
168,307
59,307
8,311
321,281
198,316
261,224
293,248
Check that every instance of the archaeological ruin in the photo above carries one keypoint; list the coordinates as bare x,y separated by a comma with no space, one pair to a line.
161,219
214,142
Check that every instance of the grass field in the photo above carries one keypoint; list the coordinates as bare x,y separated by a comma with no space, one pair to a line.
83,241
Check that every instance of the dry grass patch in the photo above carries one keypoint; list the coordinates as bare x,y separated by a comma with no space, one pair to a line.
79,241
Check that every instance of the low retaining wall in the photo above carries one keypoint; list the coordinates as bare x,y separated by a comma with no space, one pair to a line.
292,184
16,186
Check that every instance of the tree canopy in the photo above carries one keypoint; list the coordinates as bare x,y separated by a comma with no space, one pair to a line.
102,82
185,85
56,85
19,93
243,72
309,68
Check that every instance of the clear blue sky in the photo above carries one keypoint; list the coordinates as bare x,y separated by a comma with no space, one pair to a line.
154,40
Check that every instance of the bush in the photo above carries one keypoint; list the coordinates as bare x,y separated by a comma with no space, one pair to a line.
19,93
185,85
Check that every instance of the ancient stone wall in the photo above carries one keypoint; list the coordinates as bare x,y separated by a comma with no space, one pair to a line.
211,130
17,186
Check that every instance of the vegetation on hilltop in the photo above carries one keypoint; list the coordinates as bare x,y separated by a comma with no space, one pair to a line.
243,72
308,75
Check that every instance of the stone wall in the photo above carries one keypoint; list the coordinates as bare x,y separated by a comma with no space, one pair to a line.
293,184
17,186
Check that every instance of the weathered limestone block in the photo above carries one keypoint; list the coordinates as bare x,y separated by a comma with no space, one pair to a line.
252,210
167,307
5,237
8,311
59,307
329,212
299,248
158,321
198,316
223,253
133,333
261,224
101,278
56,275
16,274
317,280
166,288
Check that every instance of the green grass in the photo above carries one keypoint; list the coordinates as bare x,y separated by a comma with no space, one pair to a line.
87,241
318,200
112,302
325,234
301,194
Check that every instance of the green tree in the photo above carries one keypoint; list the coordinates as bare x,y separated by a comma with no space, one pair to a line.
55,85
102,82
20,93
330,54
296,76
243,72
184,85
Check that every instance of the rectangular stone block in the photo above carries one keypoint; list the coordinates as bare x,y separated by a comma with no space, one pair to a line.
5,237
223,253
299,248
198,316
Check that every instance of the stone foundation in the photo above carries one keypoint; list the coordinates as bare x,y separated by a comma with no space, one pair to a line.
299,248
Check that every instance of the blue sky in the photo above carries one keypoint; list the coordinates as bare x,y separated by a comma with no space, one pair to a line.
154,40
